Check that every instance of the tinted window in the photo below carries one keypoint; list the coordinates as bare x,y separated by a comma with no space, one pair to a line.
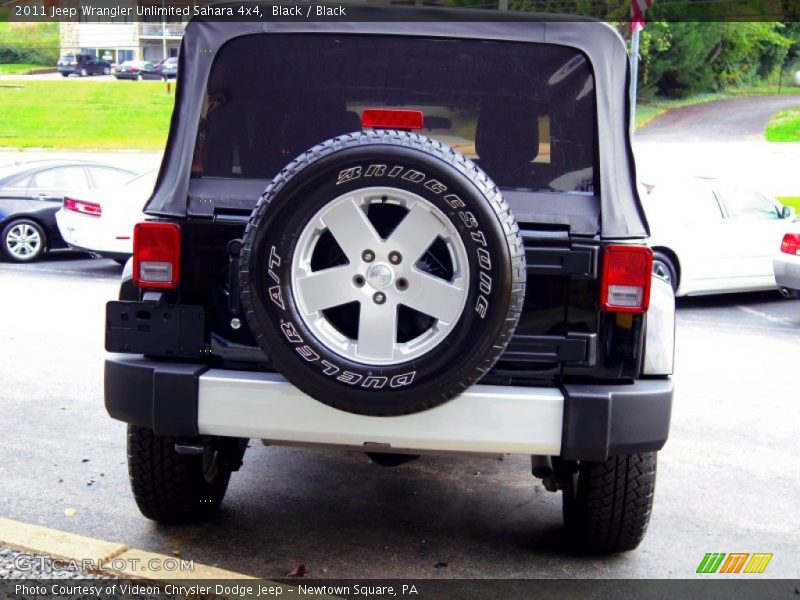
524,112
108,177
749,206
60,178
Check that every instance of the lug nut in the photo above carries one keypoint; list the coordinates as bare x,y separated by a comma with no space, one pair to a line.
358,281
235,323
379,297
402,284
395,258
367,256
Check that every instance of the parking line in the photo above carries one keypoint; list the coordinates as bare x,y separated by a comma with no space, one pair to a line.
765,316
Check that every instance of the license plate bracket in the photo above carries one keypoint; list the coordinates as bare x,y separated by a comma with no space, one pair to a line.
155,329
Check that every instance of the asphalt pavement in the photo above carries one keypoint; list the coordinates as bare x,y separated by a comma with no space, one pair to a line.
728,120
727,481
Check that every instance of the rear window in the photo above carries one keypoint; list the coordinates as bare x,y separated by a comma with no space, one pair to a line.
523,112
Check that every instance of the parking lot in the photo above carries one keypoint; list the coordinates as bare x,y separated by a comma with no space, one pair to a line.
727,480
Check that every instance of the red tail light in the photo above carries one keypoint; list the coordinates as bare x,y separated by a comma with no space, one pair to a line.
157,255
86,208
791,244
392,119
627,271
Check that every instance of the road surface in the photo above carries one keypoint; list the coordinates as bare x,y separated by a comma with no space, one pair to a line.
727,482
729,120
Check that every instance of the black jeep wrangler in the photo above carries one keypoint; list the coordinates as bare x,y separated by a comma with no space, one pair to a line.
399,238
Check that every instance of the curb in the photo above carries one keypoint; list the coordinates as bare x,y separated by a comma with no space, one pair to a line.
75,547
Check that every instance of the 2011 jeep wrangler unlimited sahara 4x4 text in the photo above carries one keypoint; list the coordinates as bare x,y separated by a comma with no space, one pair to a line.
449,257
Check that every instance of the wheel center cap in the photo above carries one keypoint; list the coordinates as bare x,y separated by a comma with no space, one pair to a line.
380,275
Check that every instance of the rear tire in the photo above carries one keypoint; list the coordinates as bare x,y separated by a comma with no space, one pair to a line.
171,487
664,267
23,240
607,505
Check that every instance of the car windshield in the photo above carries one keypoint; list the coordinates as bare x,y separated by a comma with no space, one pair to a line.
524,112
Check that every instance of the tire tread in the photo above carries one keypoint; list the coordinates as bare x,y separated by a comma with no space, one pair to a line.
169,487
613,504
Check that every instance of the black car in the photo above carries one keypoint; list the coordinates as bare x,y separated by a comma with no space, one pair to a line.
168,67
32,193
82,65
411,238
138,70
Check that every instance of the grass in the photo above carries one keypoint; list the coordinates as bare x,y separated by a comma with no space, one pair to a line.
19,69
85,114
793,201
784,126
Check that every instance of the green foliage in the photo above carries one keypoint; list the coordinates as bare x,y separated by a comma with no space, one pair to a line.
684,58
31,43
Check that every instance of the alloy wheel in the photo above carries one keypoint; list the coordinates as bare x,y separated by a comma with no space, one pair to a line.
380,276
23,241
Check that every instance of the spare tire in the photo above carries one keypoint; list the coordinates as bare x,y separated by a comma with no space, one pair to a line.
382,273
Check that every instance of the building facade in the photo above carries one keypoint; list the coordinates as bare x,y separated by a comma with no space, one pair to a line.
126,38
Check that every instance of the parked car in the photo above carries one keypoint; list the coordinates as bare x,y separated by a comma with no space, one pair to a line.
30,195
101,221
168,67
374,297
787,265
711,238
138,70
82,65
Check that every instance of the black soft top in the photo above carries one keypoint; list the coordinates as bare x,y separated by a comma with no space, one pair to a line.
621,212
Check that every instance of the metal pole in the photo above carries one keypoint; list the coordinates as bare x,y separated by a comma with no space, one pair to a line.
634,72
163,30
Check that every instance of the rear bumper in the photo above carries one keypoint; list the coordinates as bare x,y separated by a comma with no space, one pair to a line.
93,235
577,422
787,271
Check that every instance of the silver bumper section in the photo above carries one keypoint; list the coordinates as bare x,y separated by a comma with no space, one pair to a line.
484,419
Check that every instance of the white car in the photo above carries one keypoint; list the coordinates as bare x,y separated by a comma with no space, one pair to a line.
787,265
709,238
101,221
